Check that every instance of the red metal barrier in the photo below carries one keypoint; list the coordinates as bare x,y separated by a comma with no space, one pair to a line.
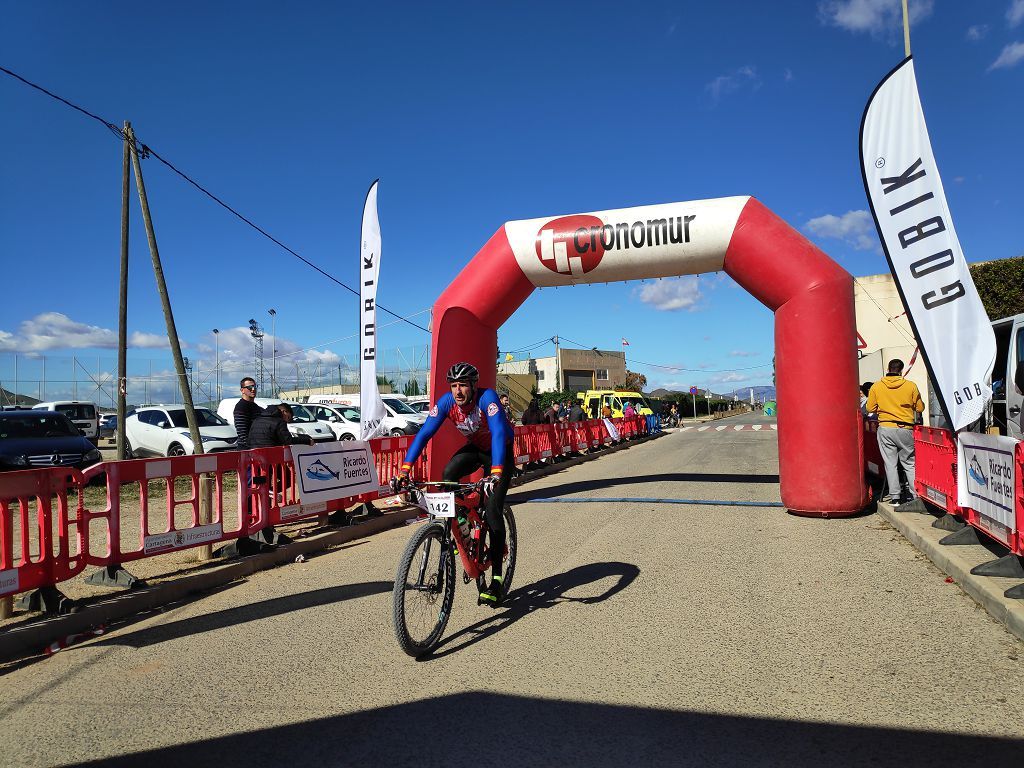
935,467
1018,547
873,464
48,500
52,501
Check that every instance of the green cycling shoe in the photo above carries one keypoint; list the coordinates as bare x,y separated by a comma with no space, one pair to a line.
494,594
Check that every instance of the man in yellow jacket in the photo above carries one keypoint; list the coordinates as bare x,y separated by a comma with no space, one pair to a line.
897,402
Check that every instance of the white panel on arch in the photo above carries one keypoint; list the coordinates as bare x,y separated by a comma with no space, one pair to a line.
626,244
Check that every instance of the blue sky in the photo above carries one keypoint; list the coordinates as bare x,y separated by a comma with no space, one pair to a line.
471,114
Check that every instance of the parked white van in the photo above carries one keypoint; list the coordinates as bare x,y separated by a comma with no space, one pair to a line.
401,419
303,424
83,415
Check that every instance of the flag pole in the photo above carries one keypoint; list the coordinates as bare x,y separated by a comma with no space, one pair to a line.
906,30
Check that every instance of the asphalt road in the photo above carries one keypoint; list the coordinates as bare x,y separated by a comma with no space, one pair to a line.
636,634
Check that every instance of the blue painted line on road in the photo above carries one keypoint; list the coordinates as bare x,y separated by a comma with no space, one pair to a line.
646,500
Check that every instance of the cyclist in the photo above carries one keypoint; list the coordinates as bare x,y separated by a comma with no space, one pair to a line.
479,417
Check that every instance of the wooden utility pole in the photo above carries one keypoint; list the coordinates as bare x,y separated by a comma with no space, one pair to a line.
165,301
206,484
122,309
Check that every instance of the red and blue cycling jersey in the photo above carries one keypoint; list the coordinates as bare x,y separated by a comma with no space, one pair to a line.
484,425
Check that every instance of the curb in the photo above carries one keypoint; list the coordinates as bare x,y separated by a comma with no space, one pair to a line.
31,638
957,562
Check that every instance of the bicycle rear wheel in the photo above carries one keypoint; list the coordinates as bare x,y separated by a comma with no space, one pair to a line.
509,559
424,590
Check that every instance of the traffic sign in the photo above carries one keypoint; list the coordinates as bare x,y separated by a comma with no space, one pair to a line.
693,390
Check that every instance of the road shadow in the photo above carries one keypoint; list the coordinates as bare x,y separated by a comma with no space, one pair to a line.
546,593
537,732
231,617
612,482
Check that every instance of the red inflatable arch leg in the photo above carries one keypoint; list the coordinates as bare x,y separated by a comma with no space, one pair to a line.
820,462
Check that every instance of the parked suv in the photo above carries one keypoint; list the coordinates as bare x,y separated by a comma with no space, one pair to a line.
83,415
162,430
30,439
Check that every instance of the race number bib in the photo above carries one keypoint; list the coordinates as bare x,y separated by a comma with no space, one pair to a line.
440,504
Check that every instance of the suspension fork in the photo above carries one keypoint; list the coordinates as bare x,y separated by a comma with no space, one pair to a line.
441,561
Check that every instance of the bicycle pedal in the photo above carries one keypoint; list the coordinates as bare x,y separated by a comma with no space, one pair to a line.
465,578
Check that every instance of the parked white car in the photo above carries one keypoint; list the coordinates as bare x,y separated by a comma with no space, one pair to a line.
343,420
162,430
304,424
82,413
400,419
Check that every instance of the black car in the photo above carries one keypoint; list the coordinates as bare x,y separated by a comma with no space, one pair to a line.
31,439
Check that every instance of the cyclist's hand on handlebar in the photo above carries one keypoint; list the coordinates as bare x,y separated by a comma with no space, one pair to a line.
489,484
400,482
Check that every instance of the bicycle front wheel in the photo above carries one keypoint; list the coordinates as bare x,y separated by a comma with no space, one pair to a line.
424,590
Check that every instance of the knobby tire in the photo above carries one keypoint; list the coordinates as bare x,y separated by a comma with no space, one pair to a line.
432,535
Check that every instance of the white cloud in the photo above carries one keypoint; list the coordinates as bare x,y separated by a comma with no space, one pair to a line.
854,227
743,353
978,31
55,330
671,293
787,75
1011,56
148,340
879,18
723,85
1015,13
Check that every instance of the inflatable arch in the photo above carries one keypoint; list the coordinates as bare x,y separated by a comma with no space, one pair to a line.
820,460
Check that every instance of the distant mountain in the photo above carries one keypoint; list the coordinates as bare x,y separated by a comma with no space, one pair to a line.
9,398
742,393
760,393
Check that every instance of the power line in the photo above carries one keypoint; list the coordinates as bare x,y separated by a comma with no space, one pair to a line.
145,151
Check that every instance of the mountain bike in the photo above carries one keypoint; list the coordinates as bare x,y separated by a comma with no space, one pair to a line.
425,582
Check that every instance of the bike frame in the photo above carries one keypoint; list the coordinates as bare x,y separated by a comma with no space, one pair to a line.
470,502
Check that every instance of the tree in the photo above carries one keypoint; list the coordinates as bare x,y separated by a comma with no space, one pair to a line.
999,286
635,382
411,388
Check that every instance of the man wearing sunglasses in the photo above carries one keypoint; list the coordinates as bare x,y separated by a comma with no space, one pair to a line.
245,411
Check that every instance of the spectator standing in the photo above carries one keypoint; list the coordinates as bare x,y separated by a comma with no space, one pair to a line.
576,412
551,414
897,403
271,428
532,414
865,390
245,411
629,411
508,409
268,429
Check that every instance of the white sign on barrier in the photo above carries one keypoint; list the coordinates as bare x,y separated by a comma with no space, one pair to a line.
302,510
334,470
986,476
189,537
9,581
